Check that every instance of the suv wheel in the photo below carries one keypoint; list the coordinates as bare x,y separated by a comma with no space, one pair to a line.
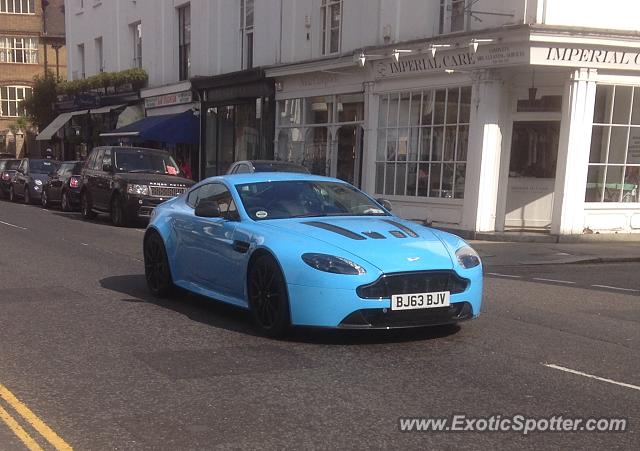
65,205
85,201
27,195
12,194
118,214
44,199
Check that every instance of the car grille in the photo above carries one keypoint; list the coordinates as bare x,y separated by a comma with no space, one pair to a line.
413,282
166,191
385,318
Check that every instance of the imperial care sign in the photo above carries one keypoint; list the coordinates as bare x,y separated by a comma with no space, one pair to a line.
487,56
599,58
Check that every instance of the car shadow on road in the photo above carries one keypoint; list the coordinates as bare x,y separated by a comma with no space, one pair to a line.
100,219
228,317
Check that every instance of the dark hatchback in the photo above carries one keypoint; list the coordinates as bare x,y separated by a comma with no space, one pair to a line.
63,187
250,166
8,168
128,183
31,176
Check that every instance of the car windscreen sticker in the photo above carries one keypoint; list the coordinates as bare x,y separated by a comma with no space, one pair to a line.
261,214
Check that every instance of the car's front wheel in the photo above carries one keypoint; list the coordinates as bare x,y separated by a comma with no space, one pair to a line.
44,199
12,194
65,204
118,214
27,195
268,299
86,207
156,266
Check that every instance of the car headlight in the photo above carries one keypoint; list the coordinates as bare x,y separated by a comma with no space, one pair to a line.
141,190
467,257
332,264
38,182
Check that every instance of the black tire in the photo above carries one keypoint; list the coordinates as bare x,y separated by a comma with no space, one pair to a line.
156,266
118,214
26,196
65,204
86,206
268,298
12,194
44,199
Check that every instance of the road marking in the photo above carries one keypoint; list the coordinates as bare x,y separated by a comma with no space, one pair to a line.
614,288
13,225
591,376
503,275
552,280
33,420
29,442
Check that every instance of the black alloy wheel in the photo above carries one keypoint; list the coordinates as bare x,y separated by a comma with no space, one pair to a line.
12,194
44,199
268,299
27,195
65,205
156,266
118,215
86,208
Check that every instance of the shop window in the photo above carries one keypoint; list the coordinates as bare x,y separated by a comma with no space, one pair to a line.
17,6
18,50
290,145
290,112
246,32
318,110
331,13
315,150
614,157
184,42
422,143
11,98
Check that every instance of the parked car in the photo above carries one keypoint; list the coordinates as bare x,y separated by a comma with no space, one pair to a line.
63,187
249,166
128,182
8,168
298,249
30,177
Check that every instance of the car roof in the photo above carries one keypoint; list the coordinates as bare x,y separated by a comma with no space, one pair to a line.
258,177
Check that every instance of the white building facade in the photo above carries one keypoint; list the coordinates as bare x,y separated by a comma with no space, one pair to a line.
478,115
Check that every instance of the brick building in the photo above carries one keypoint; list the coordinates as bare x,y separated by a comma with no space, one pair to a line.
31,41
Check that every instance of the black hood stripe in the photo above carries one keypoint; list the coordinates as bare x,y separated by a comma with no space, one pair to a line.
402,227
335,229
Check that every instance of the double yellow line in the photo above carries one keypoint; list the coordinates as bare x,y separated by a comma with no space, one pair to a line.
45,431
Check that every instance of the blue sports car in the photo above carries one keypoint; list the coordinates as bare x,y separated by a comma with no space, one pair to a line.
305,250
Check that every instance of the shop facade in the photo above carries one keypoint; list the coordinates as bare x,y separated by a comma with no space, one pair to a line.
528,130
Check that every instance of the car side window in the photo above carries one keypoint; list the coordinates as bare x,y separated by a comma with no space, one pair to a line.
106,158
242,169
91,159
23,166
97,164
216,192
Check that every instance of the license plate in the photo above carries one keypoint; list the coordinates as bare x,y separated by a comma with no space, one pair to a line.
420,300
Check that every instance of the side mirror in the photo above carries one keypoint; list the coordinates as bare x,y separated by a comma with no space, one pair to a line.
207,209
107,168
385,203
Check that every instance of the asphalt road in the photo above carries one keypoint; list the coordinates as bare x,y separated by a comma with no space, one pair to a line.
106,366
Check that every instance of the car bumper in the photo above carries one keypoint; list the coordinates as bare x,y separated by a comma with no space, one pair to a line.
343,308
74,197
138,207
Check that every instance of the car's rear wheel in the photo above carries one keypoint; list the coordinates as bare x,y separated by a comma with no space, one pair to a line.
86,206
118,215
156,266
12,194
27,195
268,299
44,199
65,205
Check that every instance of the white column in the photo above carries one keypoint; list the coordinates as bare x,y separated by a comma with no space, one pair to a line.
573,153
369,144
483,157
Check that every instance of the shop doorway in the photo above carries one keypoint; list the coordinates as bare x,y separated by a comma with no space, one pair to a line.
532,169
349,154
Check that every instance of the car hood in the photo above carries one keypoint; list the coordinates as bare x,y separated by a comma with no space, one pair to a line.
144,178
389,243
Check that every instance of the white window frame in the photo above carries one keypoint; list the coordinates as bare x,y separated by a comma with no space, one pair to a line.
17,6
99,45
246,33
326,10
11,47
6,100
446,15
136,34
184,41
81,59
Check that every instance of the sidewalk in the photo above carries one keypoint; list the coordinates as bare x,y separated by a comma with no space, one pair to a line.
496,253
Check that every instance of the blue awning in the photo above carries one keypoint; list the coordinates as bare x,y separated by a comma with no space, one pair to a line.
181,128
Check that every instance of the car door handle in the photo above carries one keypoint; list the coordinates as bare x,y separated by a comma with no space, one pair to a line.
240,246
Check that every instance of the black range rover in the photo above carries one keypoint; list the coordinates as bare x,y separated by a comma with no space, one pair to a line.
128,182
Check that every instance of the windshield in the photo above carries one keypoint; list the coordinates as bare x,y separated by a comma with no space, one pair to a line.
12,165
132,160
42,166
304,198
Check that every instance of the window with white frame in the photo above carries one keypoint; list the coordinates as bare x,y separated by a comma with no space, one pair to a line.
184,42
11,98
422,143
614,159
19,50
82,67
17,6
136,32
246,32
331,13
453,15
99,55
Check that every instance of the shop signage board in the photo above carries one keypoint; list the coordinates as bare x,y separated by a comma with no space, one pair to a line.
587,57
168,99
